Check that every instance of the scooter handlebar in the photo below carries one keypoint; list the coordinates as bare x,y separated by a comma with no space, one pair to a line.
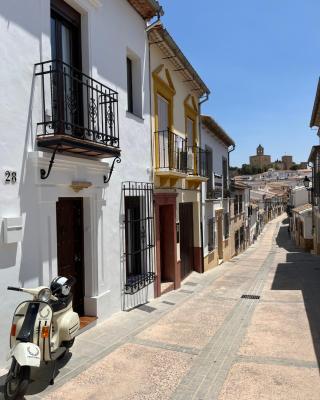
16,289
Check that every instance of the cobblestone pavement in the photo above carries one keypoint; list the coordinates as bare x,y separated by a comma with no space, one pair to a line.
207,342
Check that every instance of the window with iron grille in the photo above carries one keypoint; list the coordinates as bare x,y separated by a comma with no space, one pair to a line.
236,239
316,180
240,203
226,225
241,235
211,234
209,194
139,235
225,174
236,205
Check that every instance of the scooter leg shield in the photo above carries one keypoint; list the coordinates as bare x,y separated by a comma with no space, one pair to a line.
27,354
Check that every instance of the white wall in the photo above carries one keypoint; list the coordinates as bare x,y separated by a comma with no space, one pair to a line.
219,151
108,33
299,196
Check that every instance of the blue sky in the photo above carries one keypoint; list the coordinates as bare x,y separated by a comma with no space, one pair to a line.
261,61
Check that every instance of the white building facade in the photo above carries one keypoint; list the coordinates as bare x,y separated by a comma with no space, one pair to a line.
75,100
216,204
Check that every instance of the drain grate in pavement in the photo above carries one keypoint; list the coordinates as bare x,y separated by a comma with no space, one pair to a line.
191,284
186,291
147,309
169,303
250,296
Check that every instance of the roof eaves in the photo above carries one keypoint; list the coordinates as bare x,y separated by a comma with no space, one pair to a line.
315,117
314,151
215,128
178,54
147,8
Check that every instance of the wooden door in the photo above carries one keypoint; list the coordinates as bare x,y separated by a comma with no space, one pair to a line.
186,238
70,246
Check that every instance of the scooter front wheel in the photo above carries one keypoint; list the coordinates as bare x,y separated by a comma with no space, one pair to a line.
17,381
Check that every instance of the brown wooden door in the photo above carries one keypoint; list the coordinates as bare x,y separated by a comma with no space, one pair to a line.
186,238
70,246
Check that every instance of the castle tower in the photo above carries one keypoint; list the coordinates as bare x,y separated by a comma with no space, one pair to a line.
260,150
260,160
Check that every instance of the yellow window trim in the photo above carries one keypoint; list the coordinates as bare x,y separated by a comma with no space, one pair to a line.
191,112
167,91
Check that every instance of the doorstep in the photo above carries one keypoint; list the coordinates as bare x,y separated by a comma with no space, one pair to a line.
87,322
166,287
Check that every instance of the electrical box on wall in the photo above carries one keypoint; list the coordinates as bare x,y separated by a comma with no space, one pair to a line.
12,230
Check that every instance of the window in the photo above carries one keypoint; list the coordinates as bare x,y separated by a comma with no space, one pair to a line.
129,85
236,240
241,236
211,234
139,235
134,84
316,179
236,205
225,175
209,194
226,225
240,204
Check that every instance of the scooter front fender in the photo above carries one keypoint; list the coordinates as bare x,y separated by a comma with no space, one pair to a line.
26,354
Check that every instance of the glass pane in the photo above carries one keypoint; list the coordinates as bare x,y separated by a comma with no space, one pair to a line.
53,39
190,131
66,45
163,114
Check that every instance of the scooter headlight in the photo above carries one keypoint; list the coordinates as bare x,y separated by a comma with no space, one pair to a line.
44,294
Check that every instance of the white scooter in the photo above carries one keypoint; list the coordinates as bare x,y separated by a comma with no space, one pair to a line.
43,329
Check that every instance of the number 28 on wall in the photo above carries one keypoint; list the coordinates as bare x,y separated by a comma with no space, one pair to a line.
10,177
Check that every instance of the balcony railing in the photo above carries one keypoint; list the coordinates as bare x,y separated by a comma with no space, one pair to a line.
197,161
79,113
214,194
171,151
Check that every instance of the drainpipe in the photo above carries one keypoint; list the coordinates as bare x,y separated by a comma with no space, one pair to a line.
205,98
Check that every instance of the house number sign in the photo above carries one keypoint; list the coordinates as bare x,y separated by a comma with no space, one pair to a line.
10,177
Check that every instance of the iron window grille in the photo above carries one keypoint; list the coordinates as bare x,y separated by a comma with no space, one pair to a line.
241,236
76,105
240,204
316,180
211,234
236,205
236,240
139,235
209,186
226,225
225,174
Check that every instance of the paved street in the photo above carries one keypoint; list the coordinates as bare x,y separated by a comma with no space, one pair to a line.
205,341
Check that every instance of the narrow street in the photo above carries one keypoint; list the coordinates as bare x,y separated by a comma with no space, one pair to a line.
207,342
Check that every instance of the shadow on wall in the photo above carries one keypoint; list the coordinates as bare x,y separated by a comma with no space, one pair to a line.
301,272
8,255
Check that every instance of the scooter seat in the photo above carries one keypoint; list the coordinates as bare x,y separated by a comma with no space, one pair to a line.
61,303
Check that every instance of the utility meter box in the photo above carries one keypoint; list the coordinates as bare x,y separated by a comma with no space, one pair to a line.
12,230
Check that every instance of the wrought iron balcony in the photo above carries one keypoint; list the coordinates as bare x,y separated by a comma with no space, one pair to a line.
197,161
79,114
214,194
170,151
